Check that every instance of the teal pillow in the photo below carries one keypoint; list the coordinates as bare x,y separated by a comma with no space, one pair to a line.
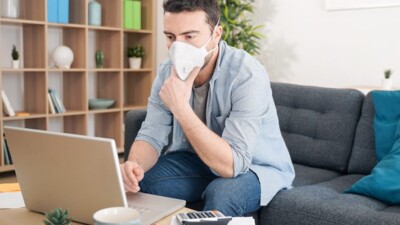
384,181
387,114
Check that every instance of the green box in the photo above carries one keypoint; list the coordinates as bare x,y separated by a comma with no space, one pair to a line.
137,15
132,14
128,14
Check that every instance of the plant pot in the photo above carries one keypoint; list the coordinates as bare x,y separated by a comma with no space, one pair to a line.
386,84
135,63
15,64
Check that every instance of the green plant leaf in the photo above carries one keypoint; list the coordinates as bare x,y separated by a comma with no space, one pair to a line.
238,30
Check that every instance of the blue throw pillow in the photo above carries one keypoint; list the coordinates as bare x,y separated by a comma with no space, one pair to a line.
384,181
387,114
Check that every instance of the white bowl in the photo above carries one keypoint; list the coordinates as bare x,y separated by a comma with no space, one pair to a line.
117,216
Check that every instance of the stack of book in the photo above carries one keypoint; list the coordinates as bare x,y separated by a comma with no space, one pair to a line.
7,155
55,103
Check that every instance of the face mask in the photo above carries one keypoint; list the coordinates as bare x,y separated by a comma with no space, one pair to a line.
186,57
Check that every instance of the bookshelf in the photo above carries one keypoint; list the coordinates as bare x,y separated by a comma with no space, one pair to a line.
36,38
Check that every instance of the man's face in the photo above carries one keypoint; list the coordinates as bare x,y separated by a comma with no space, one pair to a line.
188,27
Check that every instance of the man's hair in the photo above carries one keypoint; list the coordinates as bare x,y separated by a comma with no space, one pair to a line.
210,7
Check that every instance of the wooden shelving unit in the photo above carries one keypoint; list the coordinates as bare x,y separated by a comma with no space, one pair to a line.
27,86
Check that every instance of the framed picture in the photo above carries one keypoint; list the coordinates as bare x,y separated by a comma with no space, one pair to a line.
332,5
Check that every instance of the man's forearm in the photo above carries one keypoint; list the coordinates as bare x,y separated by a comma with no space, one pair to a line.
212,149
144,154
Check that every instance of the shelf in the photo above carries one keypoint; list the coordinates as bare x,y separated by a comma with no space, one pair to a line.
31,116
21,70
138,31
29,11
66,25
6,168
20,22
103,28
35,38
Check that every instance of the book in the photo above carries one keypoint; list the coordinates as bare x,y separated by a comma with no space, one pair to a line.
6,159
7,108
58,105
7,154
51,105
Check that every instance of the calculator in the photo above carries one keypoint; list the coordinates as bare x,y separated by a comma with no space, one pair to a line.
212,217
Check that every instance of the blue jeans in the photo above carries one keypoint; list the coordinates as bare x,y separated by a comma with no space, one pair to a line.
183,175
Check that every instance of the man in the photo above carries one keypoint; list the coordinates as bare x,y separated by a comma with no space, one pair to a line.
226,146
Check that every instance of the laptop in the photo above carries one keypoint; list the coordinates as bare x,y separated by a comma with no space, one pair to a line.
78,173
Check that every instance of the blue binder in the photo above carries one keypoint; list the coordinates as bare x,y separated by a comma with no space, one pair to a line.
63,11
52,11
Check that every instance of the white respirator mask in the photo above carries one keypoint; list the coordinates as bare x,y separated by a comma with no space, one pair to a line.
186,57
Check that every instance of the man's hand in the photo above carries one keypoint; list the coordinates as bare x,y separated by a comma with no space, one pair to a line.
175,93
132,174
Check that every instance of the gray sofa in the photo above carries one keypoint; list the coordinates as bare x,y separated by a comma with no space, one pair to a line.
329,133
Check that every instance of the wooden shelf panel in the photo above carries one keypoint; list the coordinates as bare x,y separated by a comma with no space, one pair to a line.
6,168
137,86
108,42
36,38
11,21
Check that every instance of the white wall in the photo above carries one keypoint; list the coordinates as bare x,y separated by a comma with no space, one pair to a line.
307,44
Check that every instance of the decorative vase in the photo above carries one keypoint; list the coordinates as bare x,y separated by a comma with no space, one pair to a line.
94,13
387,84
63,57
15,64
99,59
10,8
135,62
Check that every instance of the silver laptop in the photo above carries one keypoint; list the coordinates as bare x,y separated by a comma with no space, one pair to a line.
78,173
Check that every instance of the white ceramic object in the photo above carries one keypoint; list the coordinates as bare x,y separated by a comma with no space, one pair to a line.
135,62
15,64
117,216
10,8
386,84
63,57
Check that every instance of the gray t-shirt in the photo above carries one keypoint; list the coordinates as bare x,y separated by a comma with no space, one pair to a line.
200,100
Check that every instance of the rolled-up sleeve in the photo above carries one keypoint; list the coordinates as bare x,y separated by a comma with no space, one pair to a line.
250,104
157,125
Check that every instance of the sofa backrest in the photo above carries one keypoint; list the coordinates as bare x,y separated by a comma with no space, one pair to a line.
318,124
363,156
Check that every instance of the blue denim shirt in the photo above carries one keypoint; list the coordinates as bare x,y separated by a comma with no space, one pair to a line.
241,110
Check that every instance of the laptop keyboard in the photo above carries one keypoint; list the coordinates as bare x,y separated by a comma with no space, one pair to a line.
142,210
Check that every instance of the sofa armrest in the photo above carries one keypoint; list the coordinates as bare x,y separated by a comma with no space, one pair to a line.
133,122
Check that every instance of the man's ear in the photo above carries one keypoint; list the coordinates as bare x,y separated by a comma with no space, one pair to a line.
218,33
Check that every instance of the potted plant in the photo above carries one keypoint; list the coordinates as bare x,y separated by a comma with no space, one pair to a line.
57,217
135,55
238,30
15,57
387,80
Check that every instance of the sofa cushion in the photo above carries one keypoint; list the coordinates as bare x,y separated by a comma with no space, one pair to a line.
306,175
318,124
363,156
383,183
325,204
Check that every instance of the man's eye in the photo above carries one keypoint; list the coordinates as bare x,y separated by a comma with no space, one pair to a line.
190,37
170,37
